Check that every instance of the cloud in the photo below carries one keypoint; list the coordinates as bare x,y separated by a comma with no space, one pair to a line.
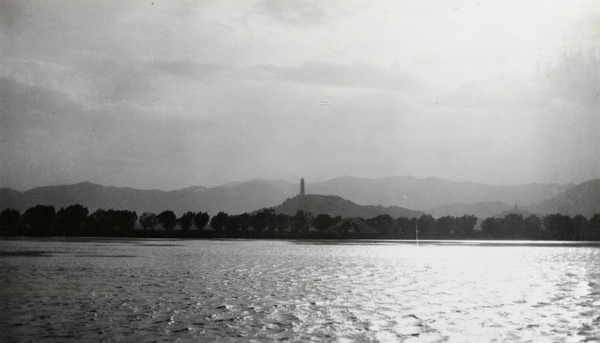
351,76
100,82
10,14
576,77
295,12
359,75
187,69
509,93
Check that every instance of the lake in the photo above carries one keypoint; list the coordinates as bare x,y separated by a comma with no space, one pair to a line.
59,290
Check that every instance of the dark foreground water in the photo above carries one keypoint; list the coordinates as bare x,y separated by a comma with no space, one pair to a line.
176,290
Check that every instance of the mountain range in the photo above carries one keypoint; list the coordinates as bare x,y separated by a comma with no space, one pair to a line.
402,193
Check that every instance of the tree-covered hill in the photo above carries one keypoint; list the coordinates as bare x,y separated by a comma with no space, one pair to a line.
337,206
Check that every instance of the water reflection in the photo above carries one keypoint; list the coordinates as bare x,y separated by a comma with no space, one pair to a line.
237,290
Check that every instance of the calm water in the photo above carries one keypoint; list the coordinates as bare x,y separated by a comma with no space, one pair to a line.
168,290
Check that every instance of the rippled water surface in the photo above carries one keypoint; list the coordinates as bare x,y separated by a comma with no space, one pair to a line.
186,290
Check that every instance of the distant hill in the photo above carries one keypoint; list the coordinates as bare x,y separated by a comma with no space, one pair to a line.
429,193
244,197
582,199
85,193
337,206
480,209
10,198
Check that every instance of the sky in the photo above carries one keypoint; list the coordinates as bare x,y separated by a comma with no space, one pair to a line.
171,94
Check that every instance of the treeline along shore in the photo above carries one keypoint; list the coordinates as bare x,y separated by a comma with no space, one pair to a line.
76,221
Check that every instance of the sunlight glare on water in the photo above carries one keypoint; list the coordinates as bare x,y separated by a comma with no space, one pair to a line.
375,291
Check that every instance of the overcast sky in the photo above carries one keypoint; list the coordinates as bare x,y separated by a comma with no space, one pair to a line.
170,94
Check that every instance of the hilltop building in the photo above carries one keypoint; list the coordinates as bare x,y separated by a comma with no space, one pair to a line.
302,192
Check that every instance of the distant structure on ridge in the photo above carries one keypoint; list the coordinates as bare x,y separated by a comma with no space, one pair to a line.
302,193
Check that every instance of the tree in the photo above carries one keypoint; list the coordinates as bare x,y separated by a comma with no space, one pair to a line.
148,221
443,227
261,220
99,221
185,221
532,228
218,222
323,222
592,229
301,222
201,219
73,219
559,226
123,219
512,226
244,222
464,226
40,221
279,222
490,227
382,223
235,223
579,225
425,226
168,220
406,227
9,222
